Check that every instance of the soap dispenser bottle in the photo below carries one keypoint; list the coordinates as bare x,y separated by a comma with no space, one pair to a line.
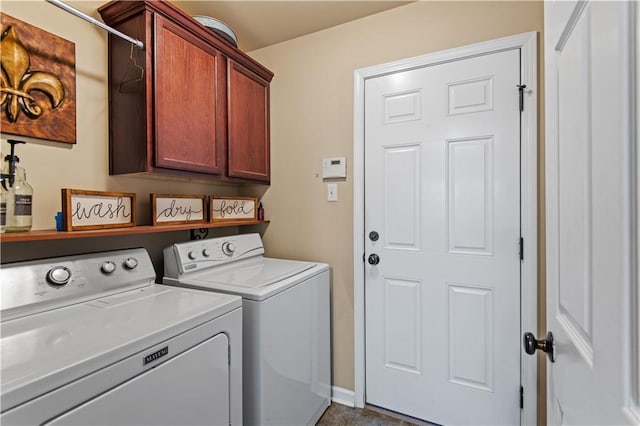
19,194
260,212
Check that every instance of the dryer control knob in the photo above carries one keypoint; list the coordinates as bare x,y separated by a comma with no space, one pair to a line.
108,267
58,275
192,255
206,252
228,248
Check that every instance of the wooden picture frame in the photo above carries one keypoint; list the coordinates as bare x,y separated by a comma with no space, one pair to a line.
41,68
171,209
233,209
84,210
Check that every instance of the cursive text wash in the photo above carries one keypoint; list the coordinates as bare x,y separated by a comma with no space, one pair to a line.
101,210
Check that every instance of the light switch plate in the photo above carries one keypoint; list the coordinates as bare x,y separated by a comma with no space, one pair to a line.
332,192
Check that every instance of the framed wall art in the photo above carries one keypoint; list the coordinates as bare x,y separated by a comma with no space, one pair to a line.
233,209
84,210
177,209
38,96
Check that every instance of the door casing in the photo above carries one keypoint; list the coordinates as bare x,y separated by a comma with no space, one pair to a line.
527,43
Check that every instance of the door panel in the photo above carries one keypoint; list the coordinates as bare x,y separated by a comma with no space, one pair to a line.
470,202
471,357
442,188
403,345
190,110
249,149
471,96
402,192
574,189
589,222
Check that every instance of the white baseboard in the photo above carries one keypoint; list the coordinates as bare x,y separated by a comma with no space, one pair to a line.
343,396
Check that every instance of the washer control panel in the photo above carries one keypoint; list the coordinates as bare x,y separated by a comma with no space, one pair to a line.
27,285
196,255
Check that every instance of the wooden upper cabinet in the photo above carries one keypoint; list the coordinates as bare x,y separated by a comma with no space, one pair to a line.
248,97
189,104
189,101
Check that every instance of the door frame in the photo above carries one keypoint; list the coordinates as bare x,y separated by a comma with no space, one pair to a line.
527,42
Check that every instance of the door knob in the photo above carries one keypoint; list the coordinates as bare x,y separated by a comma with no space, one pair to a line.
373,236
374,259
545,345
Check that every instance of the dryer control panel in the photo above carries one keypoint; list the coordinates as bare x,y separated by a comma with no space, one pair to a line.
33,286
182,258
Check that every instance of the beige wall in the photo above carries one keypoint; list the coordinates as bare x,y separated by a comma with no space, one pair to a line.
312,118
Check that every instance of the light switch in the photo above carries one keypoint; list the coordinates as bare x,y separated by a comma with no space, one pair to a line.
332,192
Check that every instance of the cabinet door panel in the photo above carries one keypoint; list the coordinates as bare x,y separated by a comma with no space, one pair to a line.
248,109
189,104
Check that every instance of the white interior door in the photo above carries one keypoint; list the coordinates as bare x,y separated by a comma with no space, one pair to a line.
442,176
590,308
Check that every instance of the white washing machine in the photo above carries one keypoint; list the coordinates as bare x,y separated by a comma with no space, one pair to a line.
286,323
91,340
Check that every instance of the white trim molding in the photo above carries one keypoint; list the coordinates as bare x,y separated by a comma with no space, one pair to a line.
342,396
527,43
633,385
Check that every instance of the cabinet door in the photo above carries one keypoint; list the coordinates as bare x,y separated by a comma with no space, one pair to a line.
190,94
248,109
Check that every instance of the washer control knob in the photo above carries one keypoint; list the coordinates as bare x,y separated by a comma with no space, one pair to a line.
58,275
130,263
108,267
192,255
228,248
206,253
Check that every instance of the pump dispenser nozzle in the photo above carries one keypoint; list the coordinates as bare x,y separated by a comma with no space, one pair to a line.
12,159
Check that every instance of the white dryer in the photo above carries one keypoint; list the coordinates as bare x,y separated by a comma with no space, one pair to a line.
91,340
286,323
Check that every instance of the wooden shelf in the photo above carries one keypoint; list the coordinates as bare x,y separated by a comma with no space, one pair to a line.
133,230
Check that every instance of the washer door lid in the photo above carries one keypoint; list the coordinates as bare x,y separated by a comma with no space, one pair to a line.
260,273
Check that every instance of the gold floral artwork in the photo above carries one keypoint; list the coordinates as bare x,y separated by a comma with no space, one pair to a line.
18,81
37,92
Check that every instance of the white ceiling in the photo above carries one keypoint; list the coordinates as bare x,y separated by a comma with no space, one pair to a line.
263,22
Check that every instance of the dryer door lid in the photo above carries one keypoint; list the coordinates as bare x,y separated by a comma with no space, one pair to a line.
46,351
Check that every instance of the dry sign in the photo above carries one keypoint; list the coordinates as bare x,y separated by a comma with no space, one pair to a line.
83,210
176,209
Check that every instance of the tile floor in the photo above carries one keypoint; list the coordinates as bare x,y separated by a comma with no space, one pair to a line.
341,415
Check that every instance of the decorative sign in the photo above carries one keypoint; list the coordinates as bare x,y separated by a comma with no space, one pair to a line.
233,209
38,82
82,210
174,209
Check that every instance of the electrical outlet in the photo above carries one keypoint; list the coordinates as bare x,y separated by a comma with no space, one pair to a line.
332,192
